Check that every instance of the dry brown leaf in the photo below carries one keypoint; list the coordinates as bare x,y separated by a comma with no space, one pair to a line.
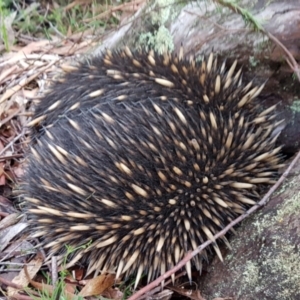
98,285
190,293
6,73
36,47
163,295
13,257
22,279
30,94
10,220
78,274
132,6
2,165
6,206
113,293
20,85
71,48
2,174
9,233
68,290
13,57
77,2
26,275
79,36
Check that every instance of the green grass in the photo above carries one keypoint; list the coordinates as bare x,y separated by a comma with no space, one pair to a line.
56,21
4,13
59,291
41,19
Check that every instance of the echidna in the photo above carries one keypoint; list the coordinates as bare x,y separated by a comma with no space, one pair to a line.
142,157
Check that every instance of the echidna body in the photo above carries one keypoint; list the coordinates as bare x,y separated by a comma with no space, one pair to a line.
143,157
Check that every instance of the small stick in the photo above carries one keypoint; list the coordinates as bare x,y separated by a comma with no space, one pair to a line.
12,142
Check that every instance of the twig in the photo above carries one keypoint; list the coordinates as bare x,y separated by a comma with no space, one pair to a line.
54,271
193,253
10,283
158,288
11,156
10,117
12,142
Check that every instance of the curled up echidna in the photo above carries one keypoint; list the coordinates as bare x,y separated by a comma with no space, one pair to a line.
142,157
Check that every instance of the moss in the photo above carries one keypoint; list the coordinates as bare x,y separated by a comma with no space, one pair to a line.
161,41
164,12
265,259
290,207
158,37
296,105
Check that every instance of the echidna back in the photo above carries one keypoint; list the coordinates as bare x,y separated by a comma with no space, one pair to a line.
143,157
